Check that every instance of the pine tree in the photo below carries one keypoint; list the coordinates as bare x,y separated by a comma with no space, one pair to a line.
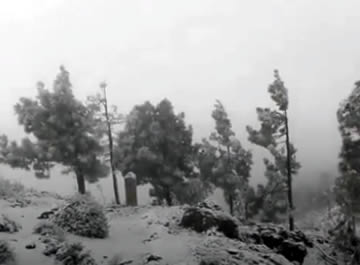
25,155
274,128
347,185
64,132
224,160
157,146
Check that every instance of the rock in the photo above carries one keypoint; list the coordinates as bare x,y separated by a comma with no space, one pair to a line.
293,251
152,257
232,251
223,251
204,216
271,239
48,214
30,246
291,244
45,215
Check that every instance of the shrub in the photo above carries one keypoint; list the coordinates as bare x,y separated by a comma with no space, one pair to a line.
10,189
83,216
6,253
47,228
192,191
74,254
8,225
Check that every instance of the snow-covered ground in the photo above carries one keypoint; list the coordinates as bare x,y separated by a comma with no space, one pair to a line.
133,232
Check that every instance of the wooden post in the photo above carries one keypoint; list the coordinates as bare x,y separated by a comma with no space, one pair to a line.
131,189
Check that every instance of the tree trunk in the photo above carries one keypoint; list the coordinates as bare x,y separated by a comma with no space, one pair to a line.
246,211
109,133
80,178
231,199
231,204
168,197
289,179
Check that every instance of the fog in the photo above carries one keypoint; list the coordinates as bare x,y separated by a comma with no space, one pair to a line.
191,52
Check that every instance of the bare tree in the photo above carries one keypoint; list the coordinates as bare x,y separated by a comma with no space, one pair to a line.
106,120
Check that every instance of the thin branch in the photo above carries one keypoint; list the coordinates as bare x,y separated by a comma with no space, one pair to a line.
326,256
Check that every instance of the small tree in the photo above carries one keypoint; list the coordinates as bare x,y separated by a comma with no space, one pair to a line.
274,128
156,145
273,195
26,156
64,130
224,160
107,118
347,185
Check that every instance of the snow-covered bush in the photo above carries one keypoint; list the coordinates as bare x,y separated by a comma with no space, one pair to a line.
47,228
6,253
8,225
339,227
330,220
74,254
191,191
10,189
83,216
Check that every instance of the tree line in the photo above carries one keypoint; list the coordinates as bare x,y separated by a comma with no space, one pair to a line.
91,140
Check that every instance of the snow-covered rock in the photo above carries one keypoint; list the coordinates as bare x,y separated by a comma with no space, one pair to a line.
205,216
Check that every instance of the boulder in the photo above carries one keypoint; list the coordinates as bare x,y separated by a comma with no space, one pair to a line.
47,214
205,216
293,251
30,246
224,251
291,244
271,239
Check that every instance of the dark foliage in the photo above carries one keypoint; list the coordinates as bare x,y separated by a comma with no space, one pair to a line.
157,146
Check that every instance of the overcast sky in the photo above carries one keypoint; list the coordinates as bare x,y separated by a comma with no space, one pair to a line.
192,52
